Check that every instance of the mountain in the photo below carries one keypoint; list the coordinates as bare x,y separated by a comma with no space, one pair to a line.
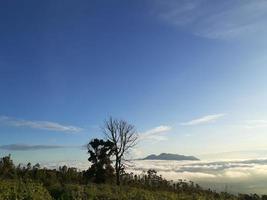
169,156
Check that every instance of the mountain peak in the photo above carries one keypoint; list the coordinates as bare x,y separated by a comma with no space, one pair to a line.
169,156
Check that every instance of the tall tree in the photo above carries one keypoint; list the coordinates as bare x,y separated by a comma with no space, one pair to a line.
124,137
100,152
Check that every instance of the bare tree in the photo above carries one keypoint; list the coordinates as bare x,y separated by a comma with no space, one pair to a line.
124,137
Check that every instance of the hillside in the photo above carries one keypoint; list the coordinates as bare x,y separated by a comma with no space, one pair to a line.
35,183
14,190
169,156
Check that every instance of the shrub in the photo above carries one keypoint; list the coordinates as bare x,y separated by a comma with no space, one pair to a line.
18,190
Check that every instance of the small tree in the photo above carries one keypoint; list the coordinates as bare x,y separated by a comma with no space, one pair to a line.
7,168
124,137
100,152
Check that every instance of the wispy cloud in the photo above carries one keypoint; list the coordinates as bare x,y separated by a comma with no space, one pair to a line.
24,147
43,125
203,120
253,124
157,133
215,19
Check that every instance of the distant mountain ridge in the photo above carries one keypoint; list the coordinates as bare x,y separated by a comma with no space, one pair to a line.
169,156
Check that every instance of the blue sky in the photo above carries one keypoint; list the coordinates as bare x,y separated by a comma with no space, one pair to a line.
190,75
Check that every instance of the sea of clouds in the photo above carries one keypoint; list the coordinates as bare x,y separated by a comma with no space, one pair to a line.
236,176
247,176
244,172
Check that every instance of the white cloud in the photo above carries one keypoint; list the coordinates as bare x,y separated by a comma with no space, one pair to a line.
137,152
223,171
252,124
157,133
215,19
25,147
236,174
2,118
203,120
43,125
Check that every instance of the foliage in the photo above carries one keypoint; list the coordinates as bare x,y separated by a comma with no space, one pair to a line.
35,183
100,152
13,190
7,168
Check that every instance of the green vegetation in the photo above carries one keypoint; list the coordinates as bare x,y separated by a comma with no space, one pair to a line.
34,183
15,189
101,169
101,181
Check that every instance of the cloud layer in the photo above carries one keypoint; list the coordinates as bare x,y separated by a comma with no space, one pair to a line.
203,120
24,147
241,175
42,125
215,19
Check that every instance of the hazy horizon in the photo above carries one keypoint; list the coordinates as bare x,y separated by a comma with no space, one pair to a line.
229,172
190,75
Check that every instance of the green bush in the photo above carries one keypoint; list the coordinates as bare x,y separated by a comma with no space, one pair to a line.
111,192
18,190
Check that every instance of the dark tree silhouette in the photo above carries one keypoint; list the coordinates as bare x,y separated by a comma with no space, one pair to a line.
7,168
100,152
124,137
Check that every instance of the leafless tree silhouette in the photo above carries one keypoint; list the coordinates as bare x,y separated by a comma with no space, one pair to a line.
124,137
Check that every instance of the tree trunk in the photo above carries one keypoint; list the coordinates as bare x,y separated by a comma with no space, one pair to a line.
118,177
117,169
